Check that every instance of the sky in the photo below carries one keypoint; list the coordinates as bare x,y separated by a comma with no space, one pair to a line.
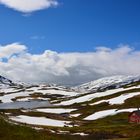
69,41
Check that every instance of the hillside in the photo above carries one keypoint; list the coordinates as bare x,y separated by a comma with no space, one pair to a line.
95,110
5,81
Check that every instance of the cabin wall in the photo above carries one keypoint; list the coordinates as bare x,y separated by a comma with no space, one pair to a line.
134,118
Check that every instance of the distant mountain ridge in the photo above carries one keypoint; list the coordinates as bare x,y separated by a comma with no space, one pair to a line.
107,82
5,81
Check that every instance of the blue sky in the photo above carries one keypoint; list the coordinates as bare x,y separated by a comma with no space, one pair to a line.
69,42
74,25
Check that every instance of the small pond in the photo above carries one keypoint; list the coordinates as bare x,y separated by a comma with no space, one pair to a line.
25,105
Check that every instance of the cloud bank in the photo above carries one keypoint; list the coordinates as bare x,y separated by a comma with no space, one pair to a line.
67,68
28,6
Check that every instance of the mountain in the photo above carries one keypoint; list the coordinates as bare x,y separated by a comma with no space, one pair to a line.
101,84
5,81
107,83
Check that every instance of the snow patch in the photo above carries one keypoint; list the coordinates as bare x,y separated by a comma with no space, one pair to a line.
118,100
105,113
40,121
55,110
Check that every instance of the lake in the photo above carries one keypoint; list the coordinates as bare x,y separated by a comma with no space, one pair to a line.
25,105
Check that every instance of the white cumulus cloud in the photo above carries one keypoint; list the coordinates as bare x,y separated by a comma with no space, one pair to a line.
28,6
67,68
9,50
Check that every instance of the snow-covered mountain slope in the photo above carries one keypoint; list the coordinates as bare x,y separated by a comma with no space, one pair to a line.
107,82
5,81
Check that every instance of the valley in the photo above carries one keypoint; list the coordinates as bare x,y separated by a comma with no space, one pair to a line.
95,110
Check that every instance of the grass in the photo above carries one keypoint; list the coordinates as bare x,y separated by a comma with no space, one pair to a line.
114,127
117,125
17,132
137,83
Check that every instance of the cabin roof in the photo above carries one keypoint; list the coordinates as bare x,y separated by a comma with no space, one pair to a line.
136,112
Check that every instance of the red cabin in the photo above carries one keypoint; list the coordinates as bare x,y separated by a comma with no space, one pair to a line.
134,117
